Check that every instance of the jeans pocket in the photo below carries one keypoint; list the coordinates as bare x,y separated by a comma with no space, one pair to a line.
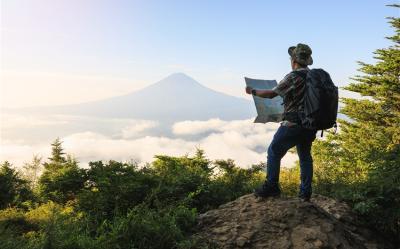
294,126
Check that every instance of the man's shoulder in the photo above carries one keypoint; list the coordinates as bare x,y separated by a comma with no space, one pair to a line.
298,73
295,74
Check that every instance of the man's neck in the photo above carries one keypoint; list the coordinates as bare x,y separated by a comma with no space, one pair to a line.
299,68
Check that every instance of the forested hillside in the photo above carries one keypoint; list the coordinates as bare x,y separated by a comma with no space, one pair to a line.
113,204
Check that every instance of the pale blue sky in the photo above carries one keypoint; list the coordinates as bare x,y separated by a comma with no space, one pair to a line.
69,51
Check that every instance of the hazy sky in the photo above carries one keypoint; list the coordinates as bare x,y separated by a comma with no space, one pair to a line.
69,51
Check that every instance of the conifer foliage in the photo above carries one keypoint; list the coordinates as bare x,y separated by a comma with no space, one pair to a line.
362,162
62,178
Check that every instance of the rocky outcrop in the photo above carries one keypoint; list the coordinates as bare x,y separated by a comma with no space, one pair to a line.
284,223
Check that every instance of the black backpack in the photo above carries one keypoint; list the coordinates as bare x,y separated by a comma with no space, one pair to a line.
321,99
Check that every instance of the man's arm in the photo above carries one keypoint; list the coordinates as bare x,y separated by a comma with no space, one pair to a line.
261,93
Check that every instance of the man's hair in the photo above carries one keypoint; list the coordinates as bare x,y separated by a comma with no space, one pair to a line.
295,61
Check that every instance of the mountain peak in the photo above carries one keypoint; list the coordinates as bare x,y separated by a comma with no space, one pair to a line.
179,75
178,79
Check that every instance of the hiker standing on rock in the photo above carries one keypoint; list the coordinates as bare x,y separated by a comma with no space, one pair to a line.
291,132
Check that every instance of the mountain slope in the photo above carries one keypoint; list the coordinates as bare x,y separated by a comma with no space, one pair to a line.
177,97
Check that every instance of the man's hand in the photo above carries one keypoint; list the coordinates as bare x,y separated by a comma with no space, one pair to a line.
262,93
248,89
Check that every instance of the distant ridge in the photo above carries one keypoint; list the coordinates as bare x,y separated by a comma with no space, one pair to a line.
174,98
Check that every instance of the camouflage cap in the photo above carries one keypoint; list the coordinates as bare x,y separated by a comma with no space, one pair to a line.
301,54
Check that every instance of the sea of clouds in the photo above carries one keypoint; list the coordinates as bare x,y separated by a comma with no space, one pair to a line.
92,138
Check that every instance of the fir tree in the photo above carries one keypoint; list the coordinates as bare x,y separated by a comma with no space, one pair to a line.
362,162
13,189
57,152
62,178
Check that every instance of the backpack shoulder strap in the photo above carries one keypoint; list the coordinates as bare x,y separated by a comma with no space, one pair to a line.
301,73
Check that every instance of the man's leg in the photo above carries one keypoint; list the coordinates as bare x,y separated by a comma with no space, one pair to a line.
284,139
306,164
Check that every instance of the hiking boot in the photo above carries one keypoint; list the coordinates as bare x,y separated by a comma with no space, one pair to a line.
267,190
305,197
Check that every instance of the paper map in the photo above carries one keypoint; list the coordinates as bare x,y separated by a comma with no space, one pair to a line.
268,110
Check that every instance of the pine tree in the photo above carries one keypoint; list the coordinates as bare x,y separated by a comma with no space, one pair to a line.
362,162
62,178
57,152
13,189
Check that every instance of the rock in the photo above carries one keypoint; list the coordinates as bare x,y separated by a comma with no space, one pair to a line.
241,241
308,237
285,223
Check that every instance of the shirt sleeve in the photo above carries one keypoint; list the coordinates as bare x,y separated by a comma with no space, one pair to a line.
284,86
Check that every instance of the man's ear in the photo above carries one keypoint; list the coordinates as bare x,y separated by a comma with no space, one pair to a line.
292,62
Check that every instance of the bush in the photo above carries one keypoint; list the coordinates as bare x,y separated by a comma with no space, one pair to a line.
112,189
147,228
14,190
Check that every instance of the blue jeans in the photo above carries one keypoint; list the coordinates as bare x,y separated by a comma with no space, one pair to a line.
284,139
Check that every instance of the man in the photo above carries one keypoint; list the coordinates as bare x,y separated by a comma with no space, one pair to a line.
290,133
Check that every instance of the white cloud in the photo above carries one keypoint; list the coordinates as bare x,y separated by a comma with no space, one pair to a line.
196,127
244,126
12,121
134,129
89,146
128,139
17,153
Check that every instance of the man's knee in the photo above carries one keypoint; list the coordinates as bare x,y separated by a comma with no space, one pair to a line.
274,150
306,160
304,153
